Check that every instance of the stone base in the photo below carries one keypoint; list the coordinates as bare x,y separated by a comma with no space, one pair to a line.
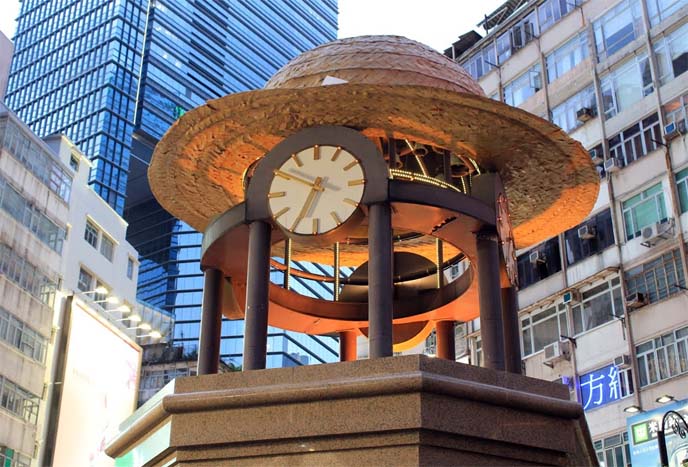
410,410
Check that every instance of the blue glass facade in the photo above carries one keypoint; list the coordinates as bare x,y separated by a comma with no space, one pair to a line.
114,75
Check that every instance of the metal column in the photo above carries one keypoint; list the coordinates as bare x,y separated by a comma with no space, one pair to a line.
446,345
512,338
211,323
489,291
380,280
257,299
347,346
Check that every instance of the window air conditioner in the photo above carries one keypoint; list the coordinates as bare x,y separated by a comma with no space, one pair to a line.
612,165
674,130
584,114
622,361
536,257
657,232
635,301
597,159
557,351
587,232
571,296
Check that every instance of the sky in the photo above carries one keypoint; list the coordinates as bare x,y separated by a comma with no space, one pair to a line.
436,23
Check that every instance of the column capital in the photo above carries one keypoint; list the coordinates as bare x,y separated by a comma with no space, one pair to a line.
488,234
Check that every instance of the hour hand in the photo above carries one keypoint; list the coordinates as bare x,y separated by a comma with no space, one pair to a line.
287,176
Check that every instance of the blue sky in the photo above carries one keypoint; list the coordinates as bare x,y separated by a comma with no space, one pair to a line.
436,23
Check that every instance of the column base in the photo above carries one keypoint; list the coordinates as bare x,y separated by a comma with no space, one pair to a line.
411,410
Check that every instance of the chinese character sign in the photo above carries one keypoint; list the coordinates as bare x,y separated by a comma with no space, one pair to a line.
600,387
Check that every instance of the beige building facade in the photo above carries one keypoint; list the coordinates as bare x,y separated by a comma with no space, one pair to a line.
608,297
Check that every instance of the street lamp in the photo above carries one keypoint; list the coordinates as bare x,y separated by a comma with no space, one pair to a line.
679,426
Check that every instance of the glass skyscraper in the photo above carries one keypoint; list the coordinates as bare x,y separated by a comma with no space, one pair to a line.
113,75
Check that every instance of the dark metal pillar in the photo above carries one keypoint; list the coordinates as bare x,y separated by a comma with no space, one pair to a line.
489,291
446,346
211,323
380,280
347,346
257,300
512,338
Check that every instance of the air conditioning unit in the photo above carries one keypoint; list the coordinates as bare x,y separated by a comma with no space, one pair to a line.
622,361
571,296
597,158
536,257
657,232
612,165
557,351
635,301
587,232
584,114
674,130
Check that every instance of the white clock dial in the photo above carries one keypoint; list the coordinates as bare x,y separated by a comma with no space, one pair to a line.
316,190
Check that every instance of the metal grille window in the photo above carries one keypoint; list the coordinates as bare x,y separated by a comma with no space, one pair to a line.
523,87
11,458
481,63
532,270
26,276
626,85
618,27
643,209
663,357
565,114
16,333
636,141
542,328
30,217
672,54
598,306
600,235
682,186
613,451
659,10
657,279
91,234
18,401
566,57
551,11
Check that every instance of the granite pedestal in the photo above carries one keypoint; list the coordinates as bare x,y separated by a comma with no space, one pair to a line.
411,410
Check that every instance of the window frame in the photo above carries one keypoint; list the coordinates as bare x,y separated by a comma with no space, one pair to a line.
642,198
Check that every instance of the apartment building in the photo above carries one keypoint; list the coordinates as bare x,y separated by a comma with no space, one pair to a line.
604,306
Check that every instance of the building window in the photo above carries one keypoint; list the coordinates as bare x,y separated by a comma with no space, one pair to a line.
590,237
618,27
566,57
672,54
565,115
11,458
85,283
657,279
663,357
523,87
17,334
478,346
130,268
598,306
636,141
644,209
659,10
26,276
107,247
676,110
91,234
74,162
613,451
552,11
18,401
626,85
682,186
482,62
542,328
539,263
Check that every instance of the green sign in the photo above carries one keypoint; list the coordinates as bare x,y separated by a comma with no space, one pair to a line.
640,433
178,111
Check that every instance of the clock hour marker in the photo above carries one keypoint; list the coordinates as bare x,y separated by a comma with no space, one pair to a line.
360,181
336,217
279,173
277,194
316,152
350,165
336,153
281,211
297,161
351,202
316,225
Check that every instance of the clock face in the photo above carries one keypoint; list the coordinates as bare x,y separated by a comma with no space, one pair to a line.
316,190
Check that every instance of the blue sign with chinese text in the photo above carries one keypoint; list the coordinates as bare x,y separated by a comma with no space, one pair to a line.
642,436
600,387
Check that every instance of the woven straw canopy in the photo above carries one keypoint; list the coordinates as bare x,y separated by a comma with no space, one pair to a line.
394,86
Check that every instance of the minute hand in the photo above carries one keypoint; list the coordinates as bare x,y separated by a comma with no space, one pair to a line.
288,176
